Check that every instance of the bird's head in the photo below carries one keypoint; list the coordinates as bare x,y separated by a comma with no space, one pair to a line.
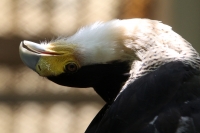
50,59
94,55
103,55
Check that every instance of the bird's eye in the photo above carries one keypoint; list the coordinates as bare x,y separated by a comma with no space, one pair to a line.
71,67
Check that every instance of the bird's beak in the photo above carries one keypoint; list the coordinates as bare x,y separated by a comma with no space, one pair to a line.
29,53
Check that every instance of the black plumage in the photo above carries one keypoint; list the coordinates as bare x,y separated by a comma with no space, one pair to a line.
164,93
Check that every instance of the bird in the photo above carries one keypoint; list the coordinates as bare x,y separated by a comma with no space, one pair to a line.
147,74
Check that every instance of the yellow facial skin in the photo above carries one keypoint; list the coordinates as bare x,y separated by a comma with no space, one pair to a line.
54,64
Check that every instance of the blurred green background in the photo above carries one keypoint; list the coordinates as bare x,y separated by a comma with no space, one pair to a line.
30,103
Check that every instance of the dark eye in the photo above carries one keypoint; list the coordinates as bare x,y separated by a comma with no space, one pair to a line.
71,67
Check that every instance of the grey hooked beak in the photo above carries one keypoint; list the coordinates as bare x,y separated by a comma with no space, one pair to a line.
30,53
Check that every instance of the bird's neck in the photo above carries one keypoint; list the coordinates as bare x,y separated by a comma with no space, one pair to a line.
157,44
113,79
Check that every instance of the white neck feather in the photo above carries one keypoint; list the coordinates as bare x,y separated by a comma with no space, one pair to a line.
101,43
130,39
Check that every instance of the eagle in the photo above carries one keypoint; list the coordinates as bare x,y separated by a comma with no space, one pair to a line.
148,75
